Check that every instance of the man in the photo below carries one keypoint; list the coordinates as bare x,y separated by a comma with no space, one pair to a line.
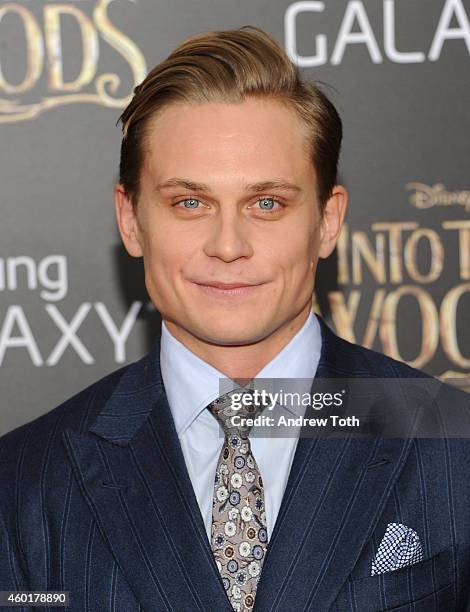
135,494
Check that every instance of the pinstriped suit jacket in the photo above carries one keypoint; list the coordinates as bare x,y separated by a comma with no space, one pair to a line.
95,499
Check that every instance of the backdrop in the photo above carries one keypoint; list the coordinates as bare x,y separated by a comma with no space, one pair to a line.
73,306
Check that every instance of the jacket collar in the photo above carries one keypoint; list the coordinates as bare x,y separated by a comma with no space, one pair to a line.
141,384
132,473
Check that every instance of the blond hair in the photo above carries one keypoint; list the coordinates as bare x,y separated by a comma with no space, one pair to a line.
229,66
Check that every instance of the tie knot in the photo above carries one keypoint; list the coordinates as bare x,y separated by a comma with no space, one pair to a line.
238,403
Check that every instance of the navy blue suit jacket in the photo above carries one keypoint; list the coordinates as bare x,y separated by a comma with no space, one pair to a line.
95,499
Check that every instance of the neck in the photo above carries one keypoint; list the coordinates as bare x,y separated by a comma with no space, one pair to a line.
241,363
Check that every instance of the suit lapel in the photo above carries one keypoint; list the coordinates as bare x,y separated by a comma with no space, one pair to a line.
335,494
132,473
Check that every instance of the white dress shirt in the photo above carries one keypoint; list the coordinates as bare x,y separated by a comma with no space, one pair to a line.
191,384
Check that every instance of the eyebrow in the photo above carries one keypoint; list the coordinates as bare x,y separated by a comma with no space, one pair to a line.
253,187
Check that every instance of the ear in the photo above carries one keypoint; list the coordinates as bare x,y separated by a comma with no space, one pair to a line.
127,222
332,221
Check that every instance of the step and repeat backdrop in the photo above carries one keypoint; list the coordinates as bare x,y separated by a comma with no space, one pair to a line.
73,305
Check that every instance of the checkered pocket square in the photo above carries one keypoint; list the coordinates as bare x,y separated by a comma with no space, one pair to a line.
399,548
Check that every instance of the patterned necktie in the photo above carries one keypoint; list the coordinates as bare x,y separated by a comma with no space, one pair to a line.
239,535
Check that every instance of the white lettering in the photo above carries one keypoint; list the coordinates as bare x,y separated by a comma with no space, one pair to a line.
444,32
355,16
59,283
15,314
69,334
119,335
412,57
356,10
12,279
291,35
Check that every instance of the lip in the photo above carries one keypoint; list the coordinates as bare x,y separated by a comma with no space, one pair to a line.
229,289
227,285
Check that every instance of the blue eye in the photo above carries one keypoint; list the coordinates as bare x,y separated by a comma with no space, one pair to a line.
193,201
270,201
267,204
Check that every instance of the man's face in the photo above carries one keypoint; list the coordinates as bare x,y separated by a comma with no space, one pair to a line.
227,196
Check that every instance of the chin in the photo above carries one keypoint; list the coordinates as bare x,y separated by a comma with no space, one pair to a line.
231,332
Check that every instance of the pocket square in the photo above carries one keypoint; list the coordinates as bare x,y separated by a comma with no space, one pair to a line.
399,547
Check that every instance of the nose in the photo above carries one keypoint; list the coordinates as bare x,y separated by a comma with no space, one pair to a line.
229,237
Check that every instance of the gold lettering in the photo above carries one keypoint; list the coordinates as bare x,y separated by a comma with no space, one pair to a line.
426,197
35,50
361,249
448,320
52,21
437,256
125,47
374,318
463,227
342,250
344,314
429,322
395,229
71,91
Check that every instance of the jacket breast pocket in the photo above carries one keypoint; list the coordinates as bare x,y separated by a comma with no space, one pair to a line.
427,586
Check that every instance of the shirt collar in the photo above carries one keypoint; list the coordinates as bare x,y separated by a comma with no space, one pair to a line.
191,383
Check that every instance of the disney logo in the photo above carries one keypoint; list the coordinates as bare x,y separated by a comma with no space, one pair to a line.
425,196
